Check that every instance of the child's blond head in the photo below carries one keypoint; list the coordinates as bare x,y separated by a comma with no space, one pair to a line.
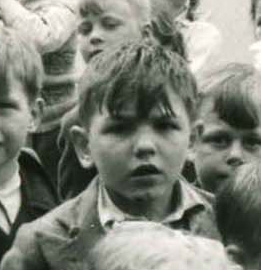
152,246
20,61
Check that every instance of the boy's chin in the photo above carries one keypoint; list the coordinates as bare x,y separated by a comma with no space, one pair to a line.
146,194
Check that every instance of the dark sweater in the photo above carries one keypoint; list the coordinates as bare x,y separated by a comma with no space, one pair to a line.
38,197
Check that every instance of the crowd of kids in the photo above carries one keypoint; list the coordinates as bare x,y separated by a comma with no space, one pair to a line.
149,159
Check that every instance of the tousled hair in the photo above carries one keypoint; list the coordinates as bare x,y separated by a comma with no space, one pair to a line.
19,58
138,73
235,93
152,246
141,9
238,209
164,28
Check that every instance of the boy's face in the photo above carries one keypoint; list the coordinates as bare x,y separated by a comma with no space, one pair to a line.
220,149
138,157
116,23
15,119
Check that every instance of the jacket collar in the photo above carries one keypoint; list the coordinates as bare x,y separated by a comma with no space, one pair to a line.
74,233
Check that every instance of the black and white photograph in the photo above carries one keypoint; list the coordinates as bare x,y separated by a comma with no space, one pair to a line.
130,134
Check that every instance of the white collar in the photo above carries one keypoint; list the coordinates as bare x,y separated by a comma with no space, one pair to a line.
10,197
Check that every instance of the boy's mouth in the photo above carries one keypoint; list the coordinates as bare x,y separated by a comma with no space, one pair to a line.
145,170
93,53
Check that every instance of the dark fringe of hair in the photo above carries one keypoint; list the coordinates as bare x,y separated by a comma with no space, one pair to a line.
236,94
137,72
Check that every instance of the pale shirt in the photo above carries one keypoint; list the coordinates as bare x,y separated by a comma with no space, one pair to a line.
48,27
11,199
110,215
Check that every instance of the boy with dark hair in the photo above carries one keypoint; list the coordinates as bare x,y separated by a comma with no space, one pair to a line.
102,24
238,211
137,105
228,126
25,190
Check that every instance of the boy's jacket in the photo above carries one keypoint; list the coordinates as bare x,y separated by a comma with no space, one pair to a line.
38,196
63,238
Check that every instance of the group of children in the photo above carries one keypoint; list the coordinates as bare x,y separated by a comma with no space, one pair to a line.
140,118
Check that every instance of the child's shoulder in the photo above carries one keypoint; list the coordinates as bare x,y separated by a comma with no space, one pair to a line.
37,186
30,164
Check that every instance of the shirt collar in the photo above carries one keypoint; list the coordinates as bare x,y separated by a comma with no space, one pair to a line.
188,198
110,214
10,197
10,186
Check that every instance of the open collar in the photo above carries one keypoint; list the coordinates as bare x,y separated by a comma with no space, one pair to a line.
187,198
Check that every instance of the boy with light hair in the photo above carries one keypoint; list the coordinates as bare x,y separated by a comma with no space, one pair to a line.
149,245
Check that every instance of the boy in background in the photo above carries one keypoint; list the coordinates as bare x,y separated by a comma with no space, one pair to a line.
228,126
137,105
51,25
103,24
238,216
25,190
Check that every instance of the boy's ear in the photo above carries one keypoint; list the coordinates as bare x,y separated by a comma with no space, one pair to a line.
236,255
37,114
81,146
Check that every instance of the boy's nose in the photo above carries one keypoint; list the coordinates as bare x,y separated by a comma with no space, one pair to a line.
95,40
144,144
96,37
235,156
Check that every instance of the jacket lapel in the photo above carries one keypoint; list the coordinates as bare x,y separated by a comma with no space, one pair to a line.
67,245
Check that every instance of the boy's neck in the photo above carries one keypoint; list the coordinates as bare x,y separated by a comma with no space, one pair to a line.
151,207
7,171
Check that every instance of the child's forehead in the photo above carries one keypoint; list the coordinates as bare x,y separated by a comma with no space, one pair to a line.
98,7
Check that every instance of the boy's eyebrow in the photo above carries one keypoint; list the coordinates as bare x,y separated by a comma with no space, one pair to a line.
90,8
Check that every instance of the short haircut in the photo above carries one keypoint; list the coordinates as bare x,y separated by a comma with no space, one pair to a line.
137,72
152,246
238,209
19,57
235,91
140,7
164,28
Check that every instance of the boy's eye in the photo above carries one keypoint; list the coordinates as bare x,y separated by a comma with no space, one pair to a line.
252,143
85,28
110,23
118,128
4,105
217,141
165,125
